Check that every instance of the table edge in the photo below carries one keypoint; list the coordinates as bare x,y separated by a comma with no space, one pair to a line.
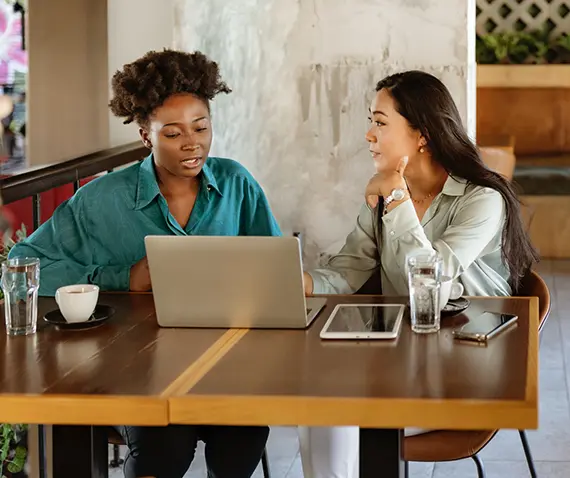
84,409
455,414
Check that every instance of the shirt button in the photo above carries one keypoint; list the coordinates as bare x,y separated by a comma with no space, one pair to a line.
388,221
392,233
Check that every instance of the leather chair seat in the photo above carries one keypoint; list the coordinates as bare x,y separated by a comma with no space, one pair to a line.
445,445
114,438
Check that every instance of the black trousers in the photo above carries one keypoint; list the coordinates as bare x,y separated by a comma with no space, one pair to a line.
167,452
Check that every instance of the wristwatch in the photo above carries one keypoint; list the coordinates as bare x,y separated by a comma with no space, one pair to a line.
396,195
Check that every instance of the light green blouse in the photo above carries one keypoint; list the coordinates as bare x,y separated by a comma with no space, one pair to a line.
464,224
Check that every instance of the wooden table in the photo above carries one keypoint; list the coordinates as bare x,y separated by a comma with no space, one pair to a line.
284,377
119,373
130,371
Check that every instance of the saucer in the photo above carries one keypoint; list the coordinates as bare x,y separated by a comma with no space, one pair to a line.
101,314
454,307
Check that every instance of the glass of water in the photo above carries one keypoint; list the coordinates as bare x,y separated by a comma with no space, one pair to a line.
20,284
424,280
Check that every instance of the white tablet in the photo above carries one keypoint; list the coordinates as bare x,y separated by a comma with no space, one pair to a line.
364,321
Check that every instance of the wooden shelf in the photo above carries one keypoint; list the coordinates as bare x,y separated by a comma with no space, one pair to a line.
523,76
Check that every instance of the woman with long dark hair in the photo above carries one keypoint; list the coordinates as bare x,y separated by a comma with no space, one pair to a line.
431,191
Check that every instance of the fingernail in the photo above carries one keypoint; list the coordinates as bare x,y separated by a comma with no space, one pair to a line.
405,158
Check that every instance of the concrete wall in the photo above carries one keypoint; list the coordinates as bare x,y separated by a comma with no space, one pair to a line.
303,74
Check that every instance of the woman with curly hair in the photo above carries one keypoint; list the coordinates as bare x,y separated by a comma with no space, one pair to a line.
97,236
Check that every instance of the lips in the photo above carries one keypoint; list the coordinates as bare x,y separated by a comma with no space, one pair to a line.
192,162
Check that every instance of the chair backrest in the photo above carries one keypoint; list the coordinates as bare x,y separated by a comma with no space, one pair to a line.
500,159
534,286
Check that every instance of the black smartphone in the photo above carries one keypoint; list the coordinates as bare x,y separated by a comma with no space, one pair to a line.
484,327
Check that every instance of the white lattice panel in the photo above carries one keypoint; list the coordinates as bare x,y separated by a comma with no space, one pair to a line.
514,15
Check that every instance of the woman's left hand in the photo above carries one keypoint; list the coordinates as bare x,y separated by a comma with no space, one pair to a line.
383,183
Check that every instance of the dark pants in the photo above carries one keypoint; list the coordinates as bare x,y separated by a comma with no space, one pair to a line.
167,452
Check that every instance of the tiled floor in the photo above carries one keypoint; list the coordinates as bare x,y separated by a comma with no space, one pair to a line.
503,457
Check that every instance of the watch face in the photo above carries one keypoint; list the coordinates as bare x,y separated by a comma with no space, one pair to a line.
398,194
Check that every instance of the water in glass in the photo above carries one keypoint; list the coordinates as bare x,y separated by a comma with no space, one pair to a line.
20,284
424,283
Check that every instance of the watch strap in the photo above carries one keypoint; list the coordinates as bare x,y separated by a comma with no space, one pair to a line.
387,202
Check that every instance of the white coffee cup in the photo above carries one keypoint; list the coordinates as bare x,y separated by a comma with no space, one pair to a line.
77,302
449,290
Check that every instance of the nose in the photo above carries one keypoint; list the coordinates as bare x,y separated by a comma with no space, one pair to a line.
370,136
189,147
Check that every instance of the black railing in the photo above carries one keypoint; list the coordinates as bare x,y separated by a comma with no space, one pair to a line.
33,183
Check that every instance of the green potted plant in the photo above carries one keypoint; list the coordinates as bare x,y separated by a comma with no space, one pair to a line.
535,47
498,47
508,48
13,450
523,59
562,47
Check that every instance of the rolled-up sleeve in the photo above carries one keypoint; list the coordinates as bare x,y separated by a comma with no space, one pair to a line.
65,249
472,229
257,219
348,270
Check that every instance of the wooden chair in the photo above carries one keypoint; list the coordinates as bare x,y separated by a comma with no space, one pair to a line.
500,160
117,440
498,153
444,445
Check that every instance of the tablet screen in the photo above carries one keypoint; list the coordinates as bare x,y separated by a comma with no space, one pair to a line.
363,318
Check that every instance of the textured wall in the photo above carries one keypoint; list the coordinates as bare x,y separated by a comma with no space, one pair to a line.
303,73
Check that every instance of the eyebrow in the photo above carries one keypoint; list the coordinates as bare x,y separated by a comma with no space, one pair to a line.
378,112
178,123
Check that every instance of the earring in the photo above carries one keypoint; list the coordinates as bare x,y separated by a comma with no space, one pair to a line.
422,149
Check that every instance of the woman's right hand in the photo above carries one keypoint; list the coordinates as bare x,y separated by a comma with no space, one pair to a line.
140,277
308,283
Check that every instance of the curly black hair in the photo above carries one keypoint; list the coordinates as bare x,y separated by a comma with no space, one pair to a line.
145,84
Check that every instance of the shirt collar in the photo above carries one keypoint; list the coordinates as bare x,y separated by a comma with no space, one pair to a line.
209,179
147,185
454,186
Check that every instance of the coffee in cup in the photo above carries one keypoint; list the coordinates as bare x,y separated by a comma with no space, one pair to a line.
449,290
77,302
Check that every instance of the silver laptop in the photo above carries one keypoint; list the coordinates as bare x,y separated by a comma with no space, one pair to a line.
245,282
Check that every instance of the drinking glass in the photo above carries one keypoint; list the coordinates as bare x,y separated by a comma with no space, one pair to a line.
20,284
424,280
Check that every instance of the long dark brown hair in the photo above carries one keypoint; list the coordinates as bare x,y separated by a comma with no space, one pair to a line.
428,107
